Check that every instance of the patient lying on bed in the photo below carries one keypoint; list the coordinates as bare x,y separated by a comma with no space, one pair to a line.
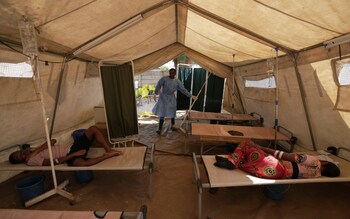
273,164
73,155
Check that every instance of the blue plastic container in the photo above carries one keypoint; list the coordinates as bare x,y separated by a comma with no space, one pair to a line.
275,192
84,176
30,187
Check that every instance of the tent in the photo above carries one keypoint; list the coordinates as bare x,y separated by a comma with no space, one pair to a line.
234,39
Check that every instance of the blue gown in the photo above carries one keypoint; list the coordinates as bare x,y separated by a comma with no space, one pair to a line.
166,105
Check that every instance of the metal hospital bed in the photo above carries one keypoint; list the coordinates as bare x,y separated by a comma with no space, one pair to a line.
136,158
195,115
236,134
252,119
55,214
219,177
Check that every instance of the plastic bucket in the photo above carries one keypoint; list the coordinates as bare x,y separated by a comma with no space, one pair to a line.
275,192
84,176
30,187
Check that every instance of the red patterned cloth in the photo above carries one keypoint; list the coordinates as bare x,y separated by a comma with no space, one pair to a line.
255,161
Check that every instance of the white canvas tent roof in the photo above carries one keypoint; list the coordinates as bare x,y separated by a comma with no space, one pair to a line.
247,29
217,35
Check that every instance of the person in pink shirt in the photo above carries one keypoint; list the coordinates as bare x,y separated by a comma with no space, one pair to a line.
274,164
73,155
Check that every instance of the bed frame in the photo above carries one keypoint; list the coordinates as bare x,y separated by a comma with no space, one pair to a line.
220,133
252,119
136,158
219,177
54,214
195,115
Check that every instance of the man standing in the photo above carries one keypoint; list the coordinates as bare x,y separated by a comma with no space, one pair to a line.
166,105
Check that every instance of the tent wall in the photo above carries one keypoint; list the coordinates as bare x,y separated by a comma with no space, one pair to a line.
20,108
329,126
20,105
172,51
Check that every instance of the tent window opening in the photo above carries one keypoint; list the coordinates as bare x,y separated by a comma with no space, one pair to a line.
343,72
19,70
268,82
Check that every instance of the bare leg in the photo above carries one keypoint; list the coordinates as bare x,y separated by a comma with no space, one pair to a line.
94,133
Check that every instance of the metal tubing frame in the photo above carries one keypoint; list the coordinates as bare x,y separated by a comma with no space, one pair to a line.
57,189
198,182
123,140
276,99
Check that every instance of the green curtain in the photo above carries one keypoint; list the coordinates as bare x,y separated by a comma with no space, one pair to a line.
119,98
199,76
184,75
215,89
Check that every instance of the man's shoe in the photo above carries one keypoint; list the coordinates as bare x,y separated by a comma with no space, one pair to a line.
158,132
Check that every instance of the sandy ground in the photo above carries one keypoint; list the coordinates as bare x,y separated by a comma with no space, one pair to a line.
174,193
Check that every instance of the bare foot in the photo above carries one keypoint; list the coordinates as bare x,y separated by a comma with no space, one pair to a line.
112,153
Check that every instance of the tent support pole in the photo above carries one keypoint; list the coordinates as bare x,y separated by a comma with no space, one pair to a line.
293,57
276,98
63,67
240,97
234,85
58,189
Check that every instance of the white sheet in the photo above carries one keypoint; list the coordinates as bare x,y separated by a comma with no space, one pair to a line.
132,158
